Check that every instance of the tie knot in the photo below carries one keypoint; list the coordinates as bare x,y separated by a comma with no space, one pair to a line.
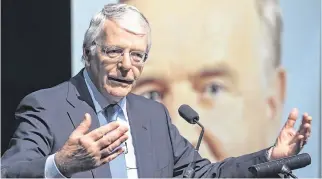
111,112
112,107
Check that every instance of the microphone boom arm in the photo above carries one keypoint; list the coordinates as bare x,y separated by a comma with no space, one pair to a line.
189,172
200,136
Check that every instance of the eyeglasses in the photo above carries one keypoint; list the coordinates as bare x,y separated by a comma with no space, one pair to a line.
115,53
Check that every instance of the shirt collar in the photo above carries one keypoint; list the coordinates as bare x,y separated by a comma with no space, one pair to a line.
100,102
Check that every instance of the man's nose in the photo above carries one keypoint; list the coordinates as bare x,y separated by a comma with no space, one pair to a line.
125,64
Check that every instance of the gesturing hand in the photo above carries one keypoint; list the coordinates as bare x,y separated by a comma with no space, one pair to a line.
87,150
290,142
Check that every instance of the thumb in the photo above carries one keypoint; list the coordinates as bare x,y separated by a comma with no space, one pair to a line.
84,125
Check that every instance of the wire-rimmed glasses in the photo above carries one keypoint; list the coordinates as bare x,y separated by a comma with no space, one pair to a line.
115,53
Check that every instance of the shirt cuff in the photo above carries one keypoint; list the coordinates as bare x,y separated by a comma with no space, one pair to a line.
269,153
51,170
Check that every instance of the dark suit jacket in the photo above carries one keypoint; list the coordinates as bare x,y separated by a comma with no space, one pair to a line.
47,118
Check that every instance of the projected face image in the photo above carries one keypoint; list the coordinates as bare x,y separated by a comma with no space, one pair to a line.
208,55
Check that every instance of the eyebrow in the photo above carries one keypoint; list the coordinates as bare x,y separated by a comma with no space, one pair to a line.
116,47
218,70
157,81
112,47
214,72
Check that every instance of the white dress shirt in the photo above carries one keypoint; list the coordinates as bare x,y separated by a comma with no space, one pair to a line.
100,103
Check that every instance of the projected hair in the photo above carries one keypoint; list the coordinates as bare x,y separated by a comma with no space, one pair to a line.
271,27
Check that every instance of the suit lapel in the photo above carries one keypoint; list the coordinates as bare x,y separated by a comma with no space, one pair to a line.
80,100
140,131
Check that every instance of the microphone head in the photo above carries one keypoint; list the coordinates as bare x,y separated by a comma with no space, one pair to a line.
187,113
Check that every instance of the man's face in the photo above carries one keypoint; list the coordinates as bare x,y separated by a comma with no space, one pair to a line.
116,75
207,55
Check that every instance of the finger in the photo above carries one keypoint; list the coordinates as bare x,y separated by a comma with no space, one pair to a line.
306,124
306,136
298,138
101,131
307,132
304,128
300,141
291,118
112,136
114,146
112,156
297,146
84,125
306,118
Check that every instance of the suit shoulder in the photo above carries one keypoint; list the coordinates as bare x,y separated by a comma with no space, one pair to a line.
144,101
149,107
46,95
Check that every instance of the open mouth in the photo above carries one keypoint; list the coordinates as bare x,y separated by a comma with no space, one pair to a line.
121,80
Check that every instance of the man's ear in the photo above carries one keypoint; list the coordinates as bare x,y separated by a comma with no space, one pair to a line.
277,93
85,57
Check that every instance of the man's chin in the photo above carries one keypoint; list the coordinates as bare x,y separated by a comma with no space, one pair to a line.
119,92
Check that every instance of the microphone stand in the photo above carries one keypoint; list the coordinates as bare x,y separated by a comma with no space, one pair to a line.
189,172
287,172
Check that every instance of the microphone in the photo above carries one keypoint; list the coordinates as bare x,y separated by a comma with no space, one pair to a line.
188,114
281,166
192,117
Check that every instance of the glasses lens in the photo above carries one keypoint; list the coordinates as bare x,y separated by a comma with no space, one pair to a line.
113,53
137,57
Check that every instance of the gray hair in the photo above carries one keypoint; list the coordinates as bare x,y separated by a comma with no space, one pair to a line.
113,12
271,25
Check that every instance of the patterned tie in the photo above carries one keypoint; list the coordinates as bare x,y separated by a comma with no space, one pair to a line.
118,165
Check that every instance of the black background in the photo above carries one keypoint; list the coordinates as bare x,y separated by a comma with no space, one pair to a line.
35,52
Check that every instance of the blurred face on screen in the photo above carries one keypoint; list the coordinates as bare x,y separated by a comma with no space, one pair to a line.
206,54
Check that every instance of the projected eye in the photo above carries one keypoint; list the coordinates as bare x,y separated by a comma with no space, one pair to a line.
151,90
211,89
154,95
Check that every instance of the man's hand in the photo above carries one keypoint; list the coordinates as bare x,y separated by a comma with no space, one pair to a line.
84,151
290,142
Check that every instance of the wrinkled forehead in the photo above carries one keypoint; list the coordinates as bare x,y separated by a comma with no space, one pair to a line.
126,32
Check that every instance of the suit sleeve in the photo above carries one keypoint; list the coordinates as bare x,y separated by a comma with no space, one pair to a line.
31,143
183,153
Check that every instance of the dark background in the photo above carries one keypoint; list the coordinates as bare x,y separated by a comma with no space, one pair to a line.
35,52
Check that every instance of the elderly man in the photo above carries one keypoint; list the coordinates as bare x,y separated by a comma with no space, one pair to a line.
122,135
224,61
